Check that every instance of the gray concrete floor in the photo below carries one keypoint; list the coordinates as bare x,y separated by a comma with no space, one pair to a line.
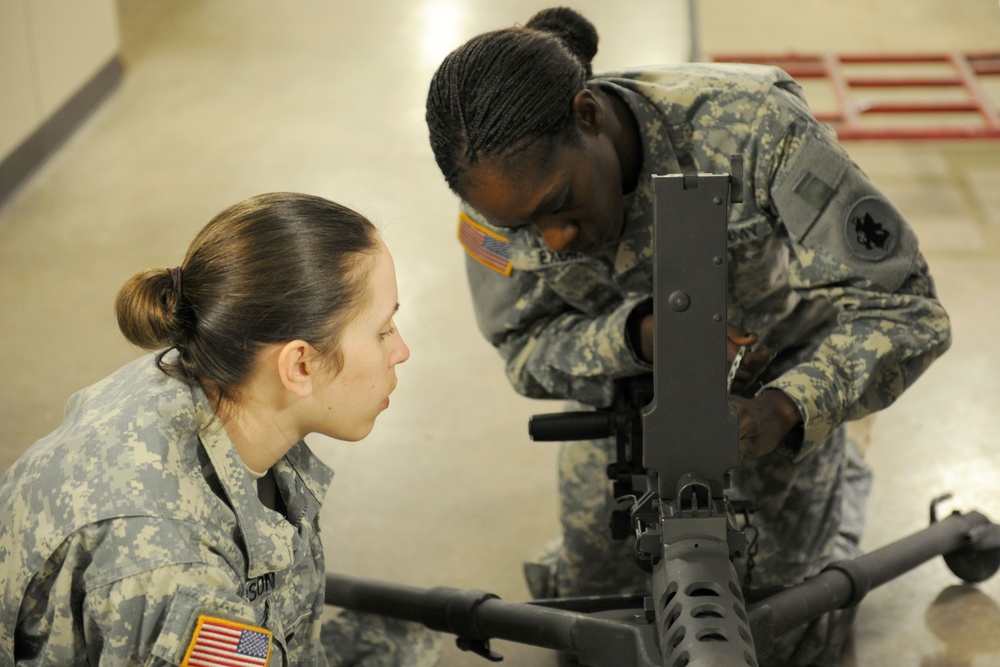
223,100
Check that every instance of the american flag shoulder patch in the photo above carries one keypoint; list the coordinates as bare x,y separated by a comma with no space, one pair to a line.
486,246
218,642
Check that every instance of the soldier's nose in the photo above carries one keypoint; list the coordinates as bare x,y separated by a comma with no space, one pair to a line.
558,237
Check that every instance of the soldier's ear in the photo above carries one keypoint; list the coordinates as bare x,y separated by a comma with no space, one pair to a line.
297,367
588,112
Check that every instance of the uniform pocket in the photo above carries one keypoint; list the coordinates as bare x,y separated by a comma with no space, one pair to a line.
287,635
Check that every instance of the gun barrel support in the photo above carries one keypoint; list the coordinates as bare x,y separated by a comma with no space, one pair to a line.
699,606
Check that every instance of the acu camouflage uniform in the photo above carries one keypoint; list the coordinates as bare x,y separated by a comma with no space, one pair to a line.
137,517
821,266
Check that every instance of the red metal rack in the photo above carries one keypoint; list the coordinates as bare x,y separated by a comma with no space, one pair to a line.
927,116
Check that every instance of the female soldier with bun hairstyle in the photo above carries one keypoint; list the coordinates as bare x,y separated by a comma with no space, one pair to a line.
554,166
173,517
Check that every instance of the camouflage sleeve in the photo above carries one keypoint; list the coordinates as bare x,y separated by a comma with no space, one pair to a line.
848,245
149,617
125,605
145,618
551,349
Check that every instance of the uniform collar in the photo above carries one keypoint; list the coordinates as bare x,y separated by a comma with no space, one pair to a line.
659,158
302,480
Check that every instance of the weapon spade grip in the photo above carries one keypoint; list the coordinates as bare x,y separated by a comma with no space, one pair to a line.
584,425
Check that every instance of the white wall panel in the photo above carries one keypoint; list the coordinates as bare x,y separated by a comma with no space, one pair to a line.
72,41
48,50
19,106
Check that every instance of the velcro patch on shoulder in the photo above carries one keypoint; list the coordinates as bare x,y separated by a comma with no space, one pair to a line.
484,245
871,229
217,641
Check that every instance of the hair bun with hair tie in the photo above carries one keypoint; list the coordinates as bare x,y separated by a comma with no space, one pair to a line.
175,276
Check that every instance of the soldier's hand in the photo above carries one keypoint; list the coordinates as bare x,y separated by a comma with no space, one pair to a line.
646,338
764,421
754,361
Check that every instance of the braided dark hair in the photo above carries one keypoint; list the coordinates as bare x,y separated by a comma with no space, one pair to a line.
505,89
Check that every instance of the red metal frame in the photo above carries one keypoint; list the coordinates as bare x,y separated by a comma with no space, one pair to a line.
967,68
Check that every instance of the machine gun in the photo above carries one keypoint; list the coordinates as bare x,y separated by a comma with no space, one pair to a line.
676,440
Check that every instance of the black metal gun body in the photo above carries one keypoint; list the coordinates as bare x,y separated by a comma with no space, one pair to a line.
675,471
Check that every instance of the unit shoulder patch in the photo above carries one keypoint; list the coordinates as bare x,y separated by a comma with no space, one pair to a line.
484,245
217,642
871,229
